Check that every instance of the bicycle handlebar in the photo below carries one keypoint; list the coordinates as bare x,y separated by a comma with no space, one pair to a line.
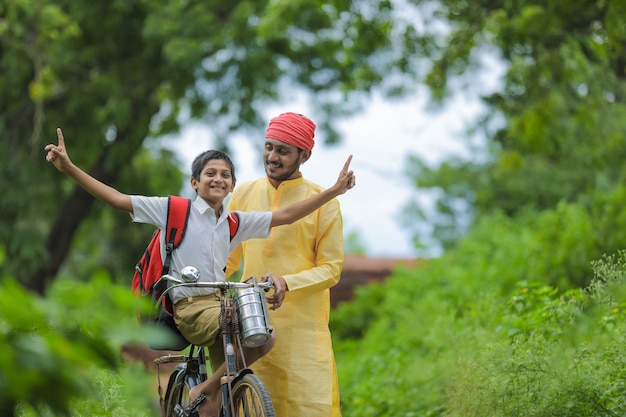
223,285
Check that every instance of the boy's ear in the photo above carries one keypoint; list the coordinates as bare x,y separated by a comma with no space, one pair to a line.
194,183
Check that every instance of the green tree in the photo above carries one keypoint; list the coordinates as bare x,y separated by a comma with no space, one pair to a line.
554,128
115,75
354,244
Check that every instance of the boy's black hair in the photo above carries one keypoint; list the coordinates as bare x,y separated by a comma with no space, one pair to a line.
204,157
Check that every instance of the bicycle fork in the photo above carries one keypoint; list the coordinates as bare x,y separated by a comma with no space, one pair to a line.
231,369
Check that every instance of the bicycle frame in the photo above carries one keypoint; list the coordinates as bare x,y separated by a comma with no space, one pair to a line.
193,369
233,350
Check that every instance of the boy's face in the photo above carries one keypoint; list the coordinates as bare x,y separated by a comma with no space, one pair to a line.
216,182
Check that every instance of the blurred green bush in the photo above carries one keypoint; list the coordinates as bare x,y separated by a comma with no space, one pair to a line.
61,355
495,327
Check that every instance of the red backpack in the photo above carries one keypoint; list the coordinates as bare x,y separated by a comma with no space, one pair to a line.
150,267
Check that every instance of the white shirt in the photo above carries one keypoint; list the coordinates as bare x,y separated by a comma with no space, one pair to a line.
206,244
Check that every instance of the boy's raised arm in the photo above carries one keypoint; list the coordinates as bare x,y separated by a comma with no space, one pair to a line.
57,154
296,211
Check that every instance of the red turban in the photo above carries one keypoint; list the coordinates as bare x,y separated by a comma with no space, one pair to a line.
294,129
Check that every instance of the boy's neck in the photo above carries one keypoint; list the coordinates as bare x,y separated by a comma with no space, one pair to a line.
218,208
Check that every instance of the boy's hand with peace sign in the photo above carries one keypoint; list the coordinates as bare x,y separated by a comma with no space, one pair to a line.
57,154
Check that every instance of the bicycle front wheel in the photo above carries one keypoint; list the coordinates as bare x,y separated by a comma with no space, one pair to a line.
251,398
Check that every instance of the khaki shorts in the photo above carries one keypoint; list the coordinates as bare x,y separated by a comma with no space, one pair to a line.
198,320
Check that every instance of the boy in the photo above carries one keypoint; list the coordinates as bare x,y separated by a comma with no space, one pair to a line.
206,244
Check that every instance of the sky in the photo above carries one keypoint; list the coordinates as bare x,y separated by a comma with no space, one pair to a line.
380,140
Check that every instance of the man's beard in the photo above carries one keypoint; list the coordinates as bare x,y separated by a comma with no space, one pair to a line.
280,177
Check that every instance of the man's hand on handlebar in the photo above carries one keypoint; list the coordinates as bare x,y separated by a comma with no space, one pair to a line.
276,298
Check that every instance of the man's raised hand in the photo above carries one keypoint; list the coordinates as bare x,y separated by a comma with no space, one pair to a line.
347,179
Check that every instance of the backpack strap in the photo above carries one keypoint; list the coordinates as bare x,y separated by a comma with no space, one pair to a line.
233,224
178,209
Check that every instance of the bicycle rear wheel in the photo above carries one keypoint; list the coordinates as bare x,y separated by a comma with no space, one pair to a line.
251,398
178,390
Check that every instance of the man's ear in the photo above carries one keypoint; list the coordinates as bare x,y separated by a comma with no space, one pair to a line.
305,155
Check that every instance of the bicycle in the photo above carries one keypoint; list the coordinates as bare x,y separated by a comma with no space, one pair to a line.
244,322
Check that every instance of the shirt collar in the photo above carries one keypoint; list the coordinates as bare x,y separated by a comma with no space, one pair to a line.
201,205
289,183
204,208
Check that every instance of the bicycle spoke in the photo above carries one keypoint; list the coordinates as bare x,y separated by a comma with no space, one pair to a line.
251,398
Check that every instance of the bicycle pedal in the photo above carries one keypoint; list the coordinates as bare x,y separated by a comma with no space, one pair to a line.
190,410
195,403
179,411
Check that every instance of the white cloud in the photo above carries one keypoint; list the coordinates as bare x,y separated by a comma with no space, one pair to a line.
380,140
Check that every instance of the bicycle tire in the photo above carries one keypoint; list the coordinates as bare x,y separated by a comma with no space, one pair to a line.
251,398
178,390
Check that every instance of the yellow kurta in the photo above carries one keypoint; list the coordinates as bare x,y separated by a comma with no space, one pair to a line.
299,371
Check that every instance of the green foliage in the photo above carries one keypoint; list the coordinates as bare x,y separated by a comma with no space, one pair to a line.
493,328
127,392
533,308
567,363
554,123
61,355
353,243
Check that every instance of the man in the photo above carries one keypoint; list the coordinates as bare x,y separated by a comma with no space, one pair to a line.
306,257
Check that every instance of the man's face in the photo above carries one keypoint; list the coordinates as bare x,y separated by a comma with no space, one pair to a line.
282,160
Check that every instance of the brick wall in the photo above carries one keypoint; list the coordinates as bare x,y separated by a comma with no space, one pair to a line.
361,270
